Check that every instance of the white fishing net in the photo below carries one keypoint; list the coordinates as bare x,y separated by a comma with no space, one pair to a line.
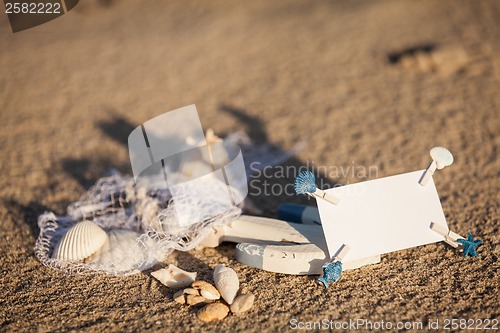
117,203
144,222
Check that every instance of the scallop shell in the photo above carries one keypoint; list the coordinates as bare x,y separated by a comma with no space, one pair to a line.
80,242
441,156
226,281
174,277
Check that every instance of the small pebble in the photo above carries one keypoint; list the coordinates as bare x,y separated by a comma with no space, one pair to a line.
194,299
242,303
190,291
213,312
179,297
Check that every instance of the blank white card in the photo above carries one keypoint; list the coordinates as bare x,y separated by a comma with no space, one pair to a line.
381,216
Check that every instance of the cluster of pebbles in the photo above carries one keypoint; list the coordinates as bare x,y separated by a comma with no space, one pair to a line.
217,300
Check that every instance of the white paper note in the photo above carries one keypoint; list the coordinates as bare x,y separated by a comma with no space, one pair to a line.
381,216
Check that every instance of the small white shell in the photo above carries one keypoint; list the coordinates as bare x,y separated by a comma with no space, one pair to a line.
441,156
226,281
174,277
209,295
206,290
80,242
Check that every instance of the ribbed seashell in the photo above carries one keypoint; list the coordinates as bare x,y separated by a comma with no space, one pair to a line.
174,277
226,281
441,156
80,242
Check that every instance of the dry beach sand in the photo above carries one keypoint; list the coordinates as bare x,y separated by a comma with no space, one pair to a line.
364,83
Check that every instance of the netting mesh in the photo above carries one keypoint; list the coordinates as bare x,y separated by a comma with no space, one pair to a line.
141,218
147,211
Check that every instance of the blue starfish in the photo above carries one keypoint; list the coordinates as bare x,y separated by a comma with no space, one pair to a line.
331,272
470,245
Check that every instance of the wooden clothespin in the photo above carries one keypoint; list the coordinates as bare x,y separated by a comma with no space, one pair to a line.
325,196
341,253
441,158
449,236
